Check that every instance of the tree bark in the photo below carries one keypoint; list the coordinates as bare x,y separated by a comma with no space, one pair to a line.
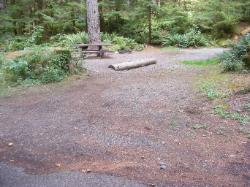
149,24
93,21
2,4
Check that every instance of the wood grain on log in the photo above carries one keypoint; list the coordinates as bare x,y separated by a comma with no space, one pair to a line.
133,64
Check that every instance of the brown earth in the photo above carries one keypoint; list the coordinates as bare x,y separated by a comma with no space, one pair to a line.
128,124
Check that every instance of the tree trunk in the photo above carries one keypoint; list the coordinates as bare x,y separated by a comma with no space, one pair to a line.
149,24
2,4
93,20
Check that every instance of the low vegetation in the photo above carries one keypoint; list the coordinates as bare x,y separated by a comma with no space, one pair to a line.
193,38
39,65
212,91
224,113
202,63
238,58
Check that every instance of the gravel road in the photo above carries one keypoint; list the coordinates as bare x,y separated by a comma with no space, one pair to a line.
130,128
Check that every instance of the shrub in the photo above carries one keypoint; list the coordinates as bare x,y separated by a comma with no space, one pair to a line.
238,58
193,38
36,36
21,42
1,59
70,40
40,66
16,43
121,43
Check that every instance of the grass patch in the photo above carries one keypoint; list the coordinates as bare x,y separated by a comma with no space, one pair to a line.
201,63
210,89
221,131
245,132
221,111
170,49
199,126
247,107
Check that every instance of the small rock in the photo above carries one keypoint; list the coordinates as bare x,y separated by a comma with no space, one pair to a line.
58,165
142,157
10,144
88,171
163,142
163,166
151,185
147,128
12,160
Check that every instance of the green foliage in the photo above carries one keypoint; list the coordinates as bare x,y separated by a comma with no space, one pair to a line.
193,38
42,65
211,91
200,126
40,20
36,36
174,19
222,112
70,40
247,107
121,43
245,131
238,58
21,42
201,63
2,59
217,18
16,43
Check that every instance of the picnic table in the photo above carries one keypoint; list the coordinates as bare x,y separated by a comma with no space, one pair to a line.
97,48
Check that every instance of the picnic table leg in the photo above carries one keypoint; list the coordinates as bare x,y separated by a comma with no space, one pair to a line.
102,53
99,54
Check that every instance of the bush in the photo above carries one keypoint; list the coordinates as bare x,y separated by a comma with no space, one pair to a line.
36,36
70,40
237,59
16,43
217,18
40,66
1,59
193,38
21,42
121,43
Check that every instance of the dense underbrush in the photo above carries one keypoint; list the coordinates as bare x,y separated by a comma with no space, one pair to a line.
39,65
238,58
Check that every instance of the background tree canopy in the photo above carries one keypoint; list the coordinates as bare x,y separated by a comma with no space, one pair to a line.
143,20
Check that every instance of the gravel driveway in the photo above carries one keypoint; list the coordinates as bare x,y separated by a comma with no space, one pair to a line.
130,128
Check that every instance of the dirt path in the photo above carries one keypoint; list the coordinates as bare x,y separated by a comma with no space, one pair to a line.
126,124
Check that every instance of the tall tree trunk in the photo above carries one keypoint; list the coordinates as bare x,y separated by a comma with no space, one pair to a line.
93,20
149,24
2,4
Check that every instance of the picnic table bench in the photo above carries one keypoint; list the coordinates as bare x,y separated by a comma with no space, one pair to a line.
97,48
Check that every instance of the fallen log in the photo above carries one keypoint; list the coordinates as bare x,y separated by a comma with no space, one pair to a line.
132,65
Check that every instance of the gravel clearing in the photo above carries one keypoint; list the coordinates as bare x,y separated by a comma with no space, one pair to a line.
129,128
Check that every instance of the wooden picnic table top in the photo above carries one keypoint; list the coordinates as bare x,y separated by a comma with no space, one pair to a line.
97,44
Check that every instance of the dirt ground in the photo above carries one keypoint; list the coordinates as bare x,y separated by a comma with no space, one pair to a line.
136,124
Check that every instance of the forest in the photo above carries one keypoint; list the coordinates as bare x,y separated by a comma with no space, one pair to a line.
128,25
